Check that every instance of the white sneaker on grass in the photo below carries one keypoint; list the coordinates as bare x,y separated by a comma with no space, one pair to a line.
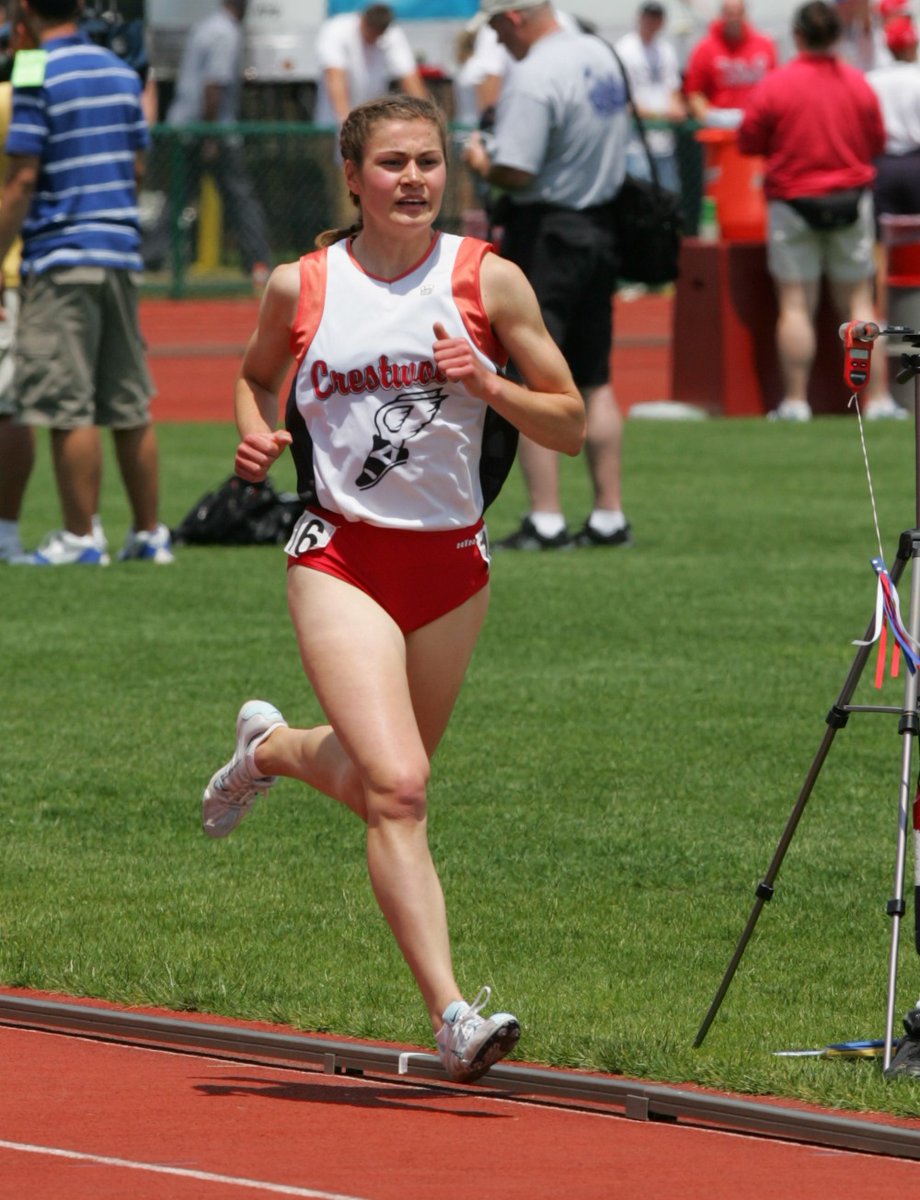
791,410
63,549
469,1044
235,788
884,408
155,547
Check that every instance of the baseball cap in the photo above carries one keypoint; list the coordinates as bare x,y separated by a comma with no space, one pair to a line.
900,34
651,8
893,8
492,8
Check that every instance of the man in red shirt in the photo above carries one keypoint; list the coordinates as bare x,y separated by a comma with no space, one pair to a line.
726,65
818,125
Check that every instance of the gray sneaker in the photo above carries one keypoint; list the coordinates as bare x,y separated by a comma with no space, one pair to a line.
234,789
470,1044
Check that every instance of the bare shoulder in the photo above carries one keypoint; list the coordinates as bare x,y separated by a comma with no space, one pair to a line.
506,292
498,272
282,293
285,279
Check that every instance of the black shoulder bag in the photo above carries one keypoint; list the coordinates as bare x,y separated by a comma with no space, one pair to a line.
647,218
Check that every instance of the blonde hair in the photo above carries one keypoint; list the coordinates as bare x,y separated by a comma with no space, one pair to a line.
356,132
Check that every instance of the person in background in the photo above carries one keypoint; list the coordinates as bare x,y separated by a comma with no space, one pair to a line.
818,125
360,55
75,146
390,421
657,91
897,85
862,33
17,441
896,191
466,82
726,65
209,91
559,152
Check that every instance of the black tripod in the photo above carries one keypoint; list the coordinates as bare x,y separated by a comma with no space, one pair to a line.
908,725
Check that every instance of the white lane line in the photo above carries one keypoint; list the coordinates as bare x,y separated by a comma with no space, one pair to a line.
277,1189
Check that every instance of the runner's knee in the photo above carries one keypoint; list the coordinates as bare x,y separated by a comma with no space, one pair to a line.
399,792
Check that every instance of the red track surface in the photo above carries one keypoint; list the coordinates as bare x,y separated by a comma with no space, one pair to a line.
91,1120
196,346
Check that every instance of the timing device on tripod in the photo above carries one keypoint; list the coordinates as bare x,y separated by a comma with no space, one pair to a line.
859,338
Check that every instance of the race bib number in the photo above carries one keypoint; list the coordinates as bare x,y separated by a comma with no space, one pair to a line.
310,533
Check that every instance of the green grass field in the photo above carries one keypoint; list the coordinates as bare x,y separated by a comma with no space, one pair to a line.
634,731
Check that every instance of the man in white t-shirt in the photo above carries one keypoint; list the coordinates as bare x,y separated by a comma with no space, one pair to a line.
654,79
897,85
360,54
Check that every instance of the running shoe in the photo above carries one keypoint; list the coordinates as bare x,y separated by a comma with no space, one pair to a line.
469,1044
155,547
791,410
527,537
589,536
235,788
884,408
64,549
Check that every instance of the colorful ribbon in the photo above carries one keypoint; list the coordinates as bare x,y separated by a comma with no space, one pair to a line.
888,608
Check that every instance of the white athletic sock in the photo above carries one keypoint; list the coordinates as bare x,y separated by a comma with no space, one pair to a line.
606,521
547,525
77,539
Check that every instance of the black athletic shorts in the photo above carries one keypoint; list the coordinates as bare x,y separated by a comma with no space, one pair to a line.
570,258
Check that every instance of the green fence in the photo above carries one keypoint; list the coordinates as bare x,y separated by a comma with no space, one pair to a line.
193,241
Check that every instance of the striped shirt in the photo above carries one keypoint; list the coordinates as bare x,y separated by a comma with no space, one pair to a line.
85,124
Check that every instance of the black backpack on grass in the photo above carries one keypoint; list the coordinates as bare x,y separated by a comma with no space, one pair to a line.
240,514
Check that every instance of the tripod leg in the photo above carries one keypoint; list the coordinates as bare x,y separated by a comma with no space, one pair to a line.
909,726
836,719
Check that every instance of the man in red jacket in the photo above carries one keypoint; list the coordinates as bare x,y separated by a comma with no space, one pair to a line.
818,125
726,65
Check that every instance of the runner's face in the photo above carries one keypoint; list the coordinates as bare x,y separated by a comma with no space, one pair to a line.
403,175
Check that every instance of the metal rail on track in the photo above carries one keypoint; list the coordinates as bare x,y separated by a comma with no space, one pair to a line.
637,1100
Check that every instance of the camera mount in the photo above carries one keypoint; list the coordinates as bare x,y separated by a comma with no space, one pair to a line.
859,339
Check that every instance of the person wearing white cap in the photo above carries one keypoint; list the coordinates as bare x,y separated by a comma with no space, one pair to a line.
559,154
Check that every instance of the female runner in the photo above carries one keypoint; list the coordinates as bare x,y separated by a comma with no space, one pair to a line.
398,332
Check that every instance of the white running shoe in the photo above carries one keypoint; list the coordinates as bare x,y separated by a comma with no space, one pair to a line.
236,787
155,547
884,408
64,549
469,1044
791,410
